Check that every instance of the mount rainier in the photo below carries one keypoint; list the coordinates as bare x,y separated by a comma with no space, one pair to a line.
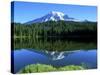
52,16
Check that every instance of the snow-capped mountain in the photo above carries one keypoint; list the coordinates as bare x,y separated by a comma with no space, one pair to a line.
52,16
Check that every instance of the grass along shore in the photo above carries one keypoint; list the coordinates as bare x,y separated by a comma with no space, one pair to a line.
48,68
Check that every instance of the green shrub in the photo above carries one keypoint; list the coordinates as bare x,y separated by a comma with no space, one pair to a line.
48,68
71,67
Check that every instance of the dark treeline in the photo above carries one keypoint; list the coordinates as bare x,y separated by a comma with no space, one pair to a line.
56,29
42,36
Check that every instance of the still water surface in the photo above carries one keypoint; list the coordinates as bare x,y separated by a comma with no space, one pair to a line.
24,57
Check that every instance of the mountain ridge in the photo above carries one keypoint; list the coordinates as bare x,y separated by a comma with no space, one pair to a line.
52,16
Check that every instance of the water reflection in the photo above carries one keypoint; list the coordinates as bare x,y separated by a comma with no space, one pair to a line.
24,57
53,51
54,44
54,55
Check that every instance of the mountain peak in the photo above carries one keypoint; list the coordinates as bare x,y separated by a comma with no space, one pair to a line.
56,13
52,16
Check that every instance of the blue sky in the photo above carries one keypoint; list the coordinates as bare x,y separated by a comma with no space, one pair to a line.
27,11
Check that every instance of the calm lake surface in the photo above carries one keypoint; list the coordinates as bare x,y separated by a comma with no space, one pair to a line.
24,57
54,51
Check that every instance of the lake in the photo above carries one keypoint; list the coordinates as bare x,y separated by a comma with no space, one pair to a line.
25,57
57,53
